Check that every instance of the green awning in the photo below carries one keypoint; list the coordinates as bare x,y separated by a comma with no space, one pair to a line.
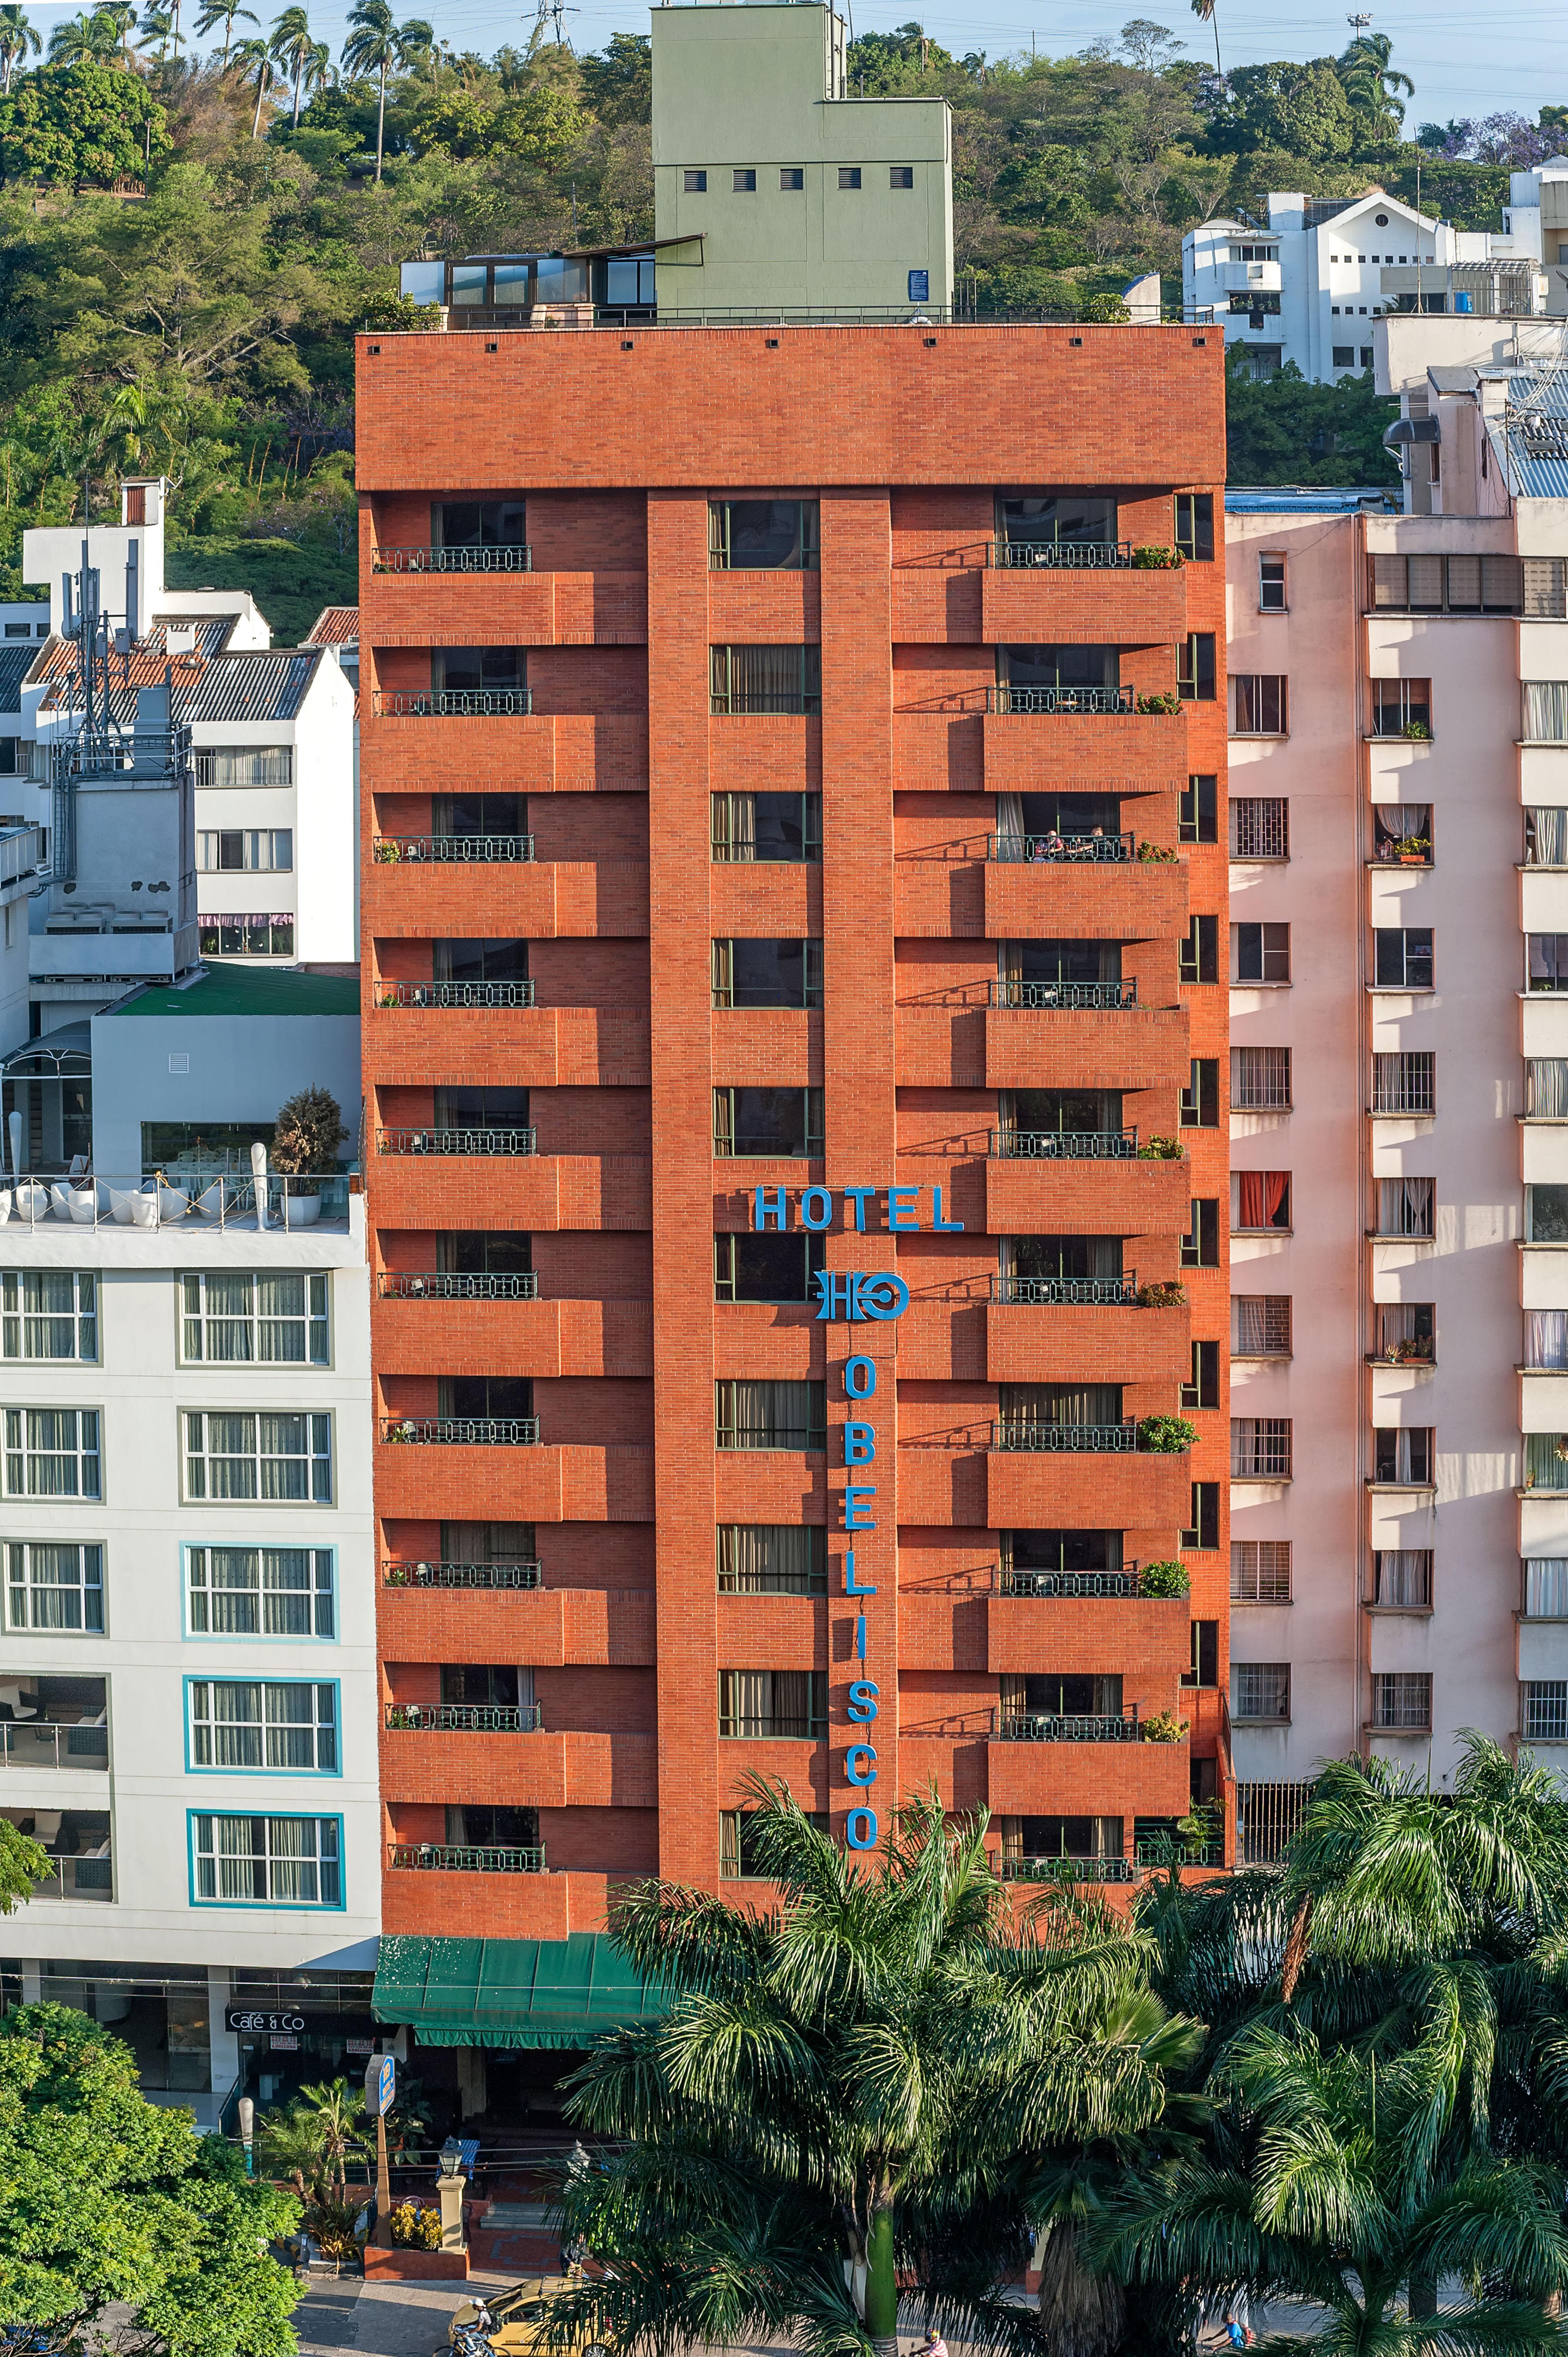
510,1992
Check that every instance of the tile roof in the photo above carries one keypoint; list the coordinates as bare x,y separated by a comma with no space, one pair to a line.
257,685
16,662
334,626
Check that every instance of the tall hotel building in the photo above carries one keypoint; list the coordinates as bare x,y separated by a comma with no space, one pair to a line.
763,794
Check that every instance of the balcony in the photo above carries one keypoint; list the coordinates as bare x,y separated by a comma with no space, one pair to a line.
1093,1439
54,1743
523,1574
214,1204
514,558
1078,1727
1076,555
1080,997
1067,1869
1058,1584
464,1718
78,1844
454,994
459,1284
1053,849
1065,1145
1078,702
453,703
453,850
1060,1292
456,1141
462,1431
444,1857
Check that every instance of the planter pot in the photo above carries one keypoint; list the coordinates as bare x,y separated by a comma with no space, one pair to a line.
298,1211
417,2266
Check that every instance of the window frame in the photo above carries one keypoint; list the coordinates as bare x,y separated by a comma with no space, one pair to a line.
1197,667
1409,1060
321,1597
28,1586
1259,704
1247,1578
1198,812
320,1819
316,1724
1258,804
315,1417
14,1313
724,1241
1403,934
208,838
1279,579
1260,1086
1278,1670
25,1451
1193,525
311,1279
1271,947
1271,1315
1383,1684
1262,1448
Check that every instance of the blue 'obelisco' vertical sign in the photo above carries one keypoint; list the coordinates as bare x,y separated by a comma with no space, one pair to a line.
854,1296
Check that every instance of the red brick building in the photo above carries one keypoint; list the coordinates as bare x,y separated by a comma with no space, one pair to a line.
757,796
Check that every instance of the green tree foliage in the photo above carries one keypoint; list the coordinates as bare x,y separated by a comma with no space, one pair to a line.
1302,109
1288,431
82,126
24,1863
109,2199
618,85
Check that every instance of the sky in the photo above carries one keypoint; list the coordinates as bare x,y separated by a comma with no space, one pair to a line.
1513,56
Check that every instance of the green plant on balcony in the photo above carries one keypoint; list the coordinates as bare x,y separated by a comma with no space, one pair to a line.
388,851
1165,1578
1150,558
1167,1436
1414,846
396,1433
1417,731
1169,1294
1156,854
1169,701
1164,1726
1161,1149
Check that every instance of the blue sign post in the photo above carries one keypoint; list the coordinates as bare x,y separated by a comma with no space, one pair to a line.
380,2089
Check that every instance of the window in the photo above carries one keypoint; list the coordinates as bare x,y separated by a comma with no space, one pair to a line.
791,176
771,1558
1259,303
755,827
1203,1669
1259,1079
1401,1579
1546,1460
52,1452
1407,1332
1401,833
1547,960
267,1861
1546,1588
1401,1701
1546,838
1261,1326
849,176
247,936
1447,585
239,1458
900,176
1260,1571
1546,710
1194,526
1194,667
1261,1692
480,523
1260,1199
1545,577
244,849
788,1704
1052,521
54,1587
1405,1207
765,679
260,1592
1402,957
266,1320
1344,356
1260,827
1260,363
1200,951
1197,818
763,536
1405,1081
768,1267
1200,1245
1204,1528
745,180
1546,1215
1259,952
1200,1098
770,1415
696,184
1546,1340
1260,1449
767,1122
1546,1088
768,974
1402,707
48,1314
280,1723
738,1859
1259,704
1203,1390
1543,1710
244,765
1271,585
1402,1456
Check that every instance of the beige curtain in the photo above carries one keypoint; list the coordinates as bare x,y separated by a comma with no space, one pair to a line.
1009,826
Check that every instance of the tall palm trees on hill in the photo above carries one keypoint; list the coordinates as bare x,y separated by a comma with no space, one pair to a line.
376,44
18,40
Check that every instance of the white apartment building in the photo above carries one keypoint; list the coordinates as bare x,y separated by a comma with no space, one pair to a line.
1307,284
188,1684
1399,817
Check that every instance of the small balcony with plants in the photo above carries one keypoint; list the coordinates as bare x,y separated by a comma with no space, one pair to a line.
471,1264
469,1698
1082,1418
480,1123
474,1412
466,831
476,1838
1052,1707
1070,975
464,974
465,683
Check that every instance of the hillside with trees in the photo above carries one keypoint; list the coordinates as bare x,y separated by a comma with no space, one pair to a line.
189,237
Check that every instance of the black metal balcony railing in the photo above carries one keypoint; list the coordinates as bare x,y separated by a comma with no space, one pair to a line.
1065,1727
1081,1292
1062,556
1067,1869
1093,1439
524,1574
1048,850
453,703
463,1431
1081,996
453,1857
459,1284
1094,700
464,1718
1064,1145
53,1743
453,850
455,994
1123,1583
513,559
456,1141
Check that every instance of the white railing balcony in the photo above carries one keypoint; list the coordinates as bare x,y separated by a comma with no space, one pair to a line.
194,1199
24,851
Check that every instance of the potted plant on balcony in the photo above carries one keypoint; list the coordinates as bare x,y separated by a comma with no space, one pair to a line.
305,1143
1413,851
1161,1149
386,849
1419,732
1166,1579
1156,854
1169,1294
1167,702
1149,557
1164,1726
1167,1436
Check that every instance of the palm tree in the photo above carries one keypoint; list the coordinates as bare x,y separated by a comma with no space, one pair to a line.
84,40
157,26
255,54
291,43
376,45
1207,11
18,38
869,2080
1372,84
317,72
123,16
223,12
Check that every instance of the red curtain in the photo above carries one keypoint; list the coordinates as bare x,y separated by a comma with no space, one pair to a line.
1264,1199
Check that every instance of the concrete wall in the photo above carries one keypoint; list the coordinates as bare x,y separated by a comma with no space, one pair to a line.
236,1068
